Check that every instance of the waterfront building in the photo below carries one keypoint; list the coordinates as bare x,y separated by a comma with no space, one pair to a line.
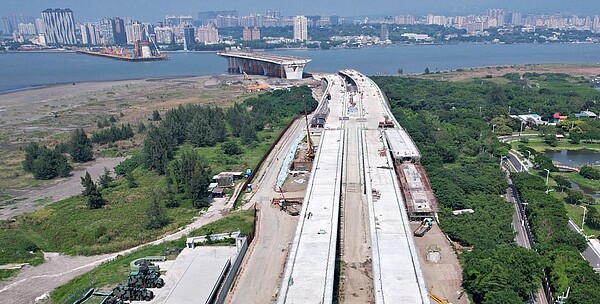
207,34
119,31
223,21
300,28
250,34
385,33
88,33
106,27
189,37
164,35
27,29
59,26
135,32
39,26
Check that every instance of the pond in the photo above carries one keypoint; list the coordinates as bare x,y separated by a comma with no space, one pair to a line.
574,157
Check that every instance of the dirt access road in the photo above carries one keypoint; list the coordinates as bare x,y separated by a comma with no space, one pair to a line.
263,265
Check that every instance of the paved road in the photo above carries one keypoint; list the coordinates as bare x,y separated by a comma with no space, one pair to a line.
592,253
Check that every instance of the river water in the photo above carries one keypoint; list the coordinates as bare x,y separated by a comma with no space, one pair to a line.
574,157
24,70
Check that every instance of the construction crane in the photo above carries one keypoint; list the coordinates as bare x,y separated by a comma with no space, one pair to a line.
246,76
310,151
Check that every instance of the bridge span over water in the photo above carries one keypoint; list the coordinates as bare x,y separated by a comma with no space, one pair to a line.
282,66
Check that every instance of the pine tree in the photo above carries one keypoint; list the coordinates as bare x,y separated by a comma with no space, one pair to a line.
80,147
90,191
105,179
155,214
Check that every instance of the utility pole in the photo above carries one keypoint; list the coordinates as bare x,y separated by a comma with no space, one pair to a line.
547,175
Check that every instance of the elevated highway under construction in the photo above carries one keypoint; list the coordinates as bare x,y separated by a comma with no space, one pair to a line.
360,150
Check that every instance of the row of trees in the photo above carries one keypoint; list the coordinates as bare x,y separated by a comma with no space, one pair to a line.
559,246
46,163
205,126
459,152
112,134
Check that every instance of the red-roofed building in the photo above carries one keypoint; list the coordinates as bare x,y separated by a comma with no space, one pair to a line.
558,117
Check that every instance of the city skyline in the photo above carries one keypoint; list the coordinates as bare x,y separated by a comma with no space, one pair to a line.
147,10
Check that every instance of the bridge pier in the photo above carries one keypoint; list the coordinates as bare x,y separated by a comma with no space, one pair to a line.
281,66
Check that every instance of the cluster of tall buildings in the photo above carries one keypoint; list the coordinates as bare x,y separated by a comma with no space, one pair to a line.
497,18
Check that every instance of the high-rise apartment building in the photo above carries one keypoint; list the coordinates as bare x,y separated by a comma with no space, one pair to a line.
106,27
189,36
207,34
496,16
164,35
39,26
119,31
89,34
385,33
135,32
300,28
59,26
250,34
27,29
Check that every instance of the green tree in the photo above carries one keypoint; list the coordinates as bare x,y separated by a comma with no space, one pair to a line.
426,71
574,196
562,182
105,179
156,115
90,191
158,148
231,148
155,215
80,147
45,163
191,176
131,183
590,172
593,217
400,71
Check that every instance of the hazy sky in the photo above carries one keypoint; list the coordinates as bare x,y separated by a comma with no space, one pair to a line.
155,10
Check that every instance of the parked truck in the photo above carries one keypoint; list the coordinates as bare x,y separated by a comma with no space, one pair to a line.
424,227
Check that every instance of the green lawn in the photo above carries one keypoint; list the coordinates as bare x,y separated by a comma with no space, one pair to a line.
584,182
238,220
576,215
107,275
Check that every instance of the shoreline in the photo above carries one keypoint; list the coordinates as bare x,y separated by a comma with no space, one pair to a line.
59,84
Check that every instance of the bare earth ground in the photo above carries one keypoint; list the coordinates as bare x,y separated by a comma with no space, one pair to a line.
443,278
49,114
495,71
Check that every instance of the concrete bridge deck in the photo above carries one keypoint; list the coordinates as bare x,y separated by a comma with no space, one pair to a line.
274,65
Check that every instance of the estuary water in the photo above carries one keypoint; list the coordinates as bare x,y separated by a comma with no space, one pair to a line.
25,70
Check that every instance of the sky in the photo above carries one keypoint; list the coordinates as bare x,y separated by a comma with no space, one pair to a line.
155,10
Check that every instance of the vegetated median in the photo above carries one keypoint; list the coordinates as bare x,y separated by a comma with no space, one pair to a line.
162,187
452,124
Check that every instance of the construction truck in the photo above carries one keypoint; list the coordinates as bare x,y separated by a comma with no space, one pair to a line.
386,123
424,227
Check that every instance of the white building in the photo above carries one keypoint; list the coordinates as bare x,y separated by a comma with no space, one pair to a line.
207,34
300,28
27,29
164,35
59,26
135,32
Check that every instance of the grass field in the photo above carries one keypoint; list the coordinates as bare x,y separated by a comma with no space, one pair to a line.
238,220
584,182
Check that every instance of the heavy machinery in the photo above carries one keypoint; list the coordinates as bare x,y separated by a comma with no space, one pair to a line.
147,279
122,294
386,123
310,153
424,227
